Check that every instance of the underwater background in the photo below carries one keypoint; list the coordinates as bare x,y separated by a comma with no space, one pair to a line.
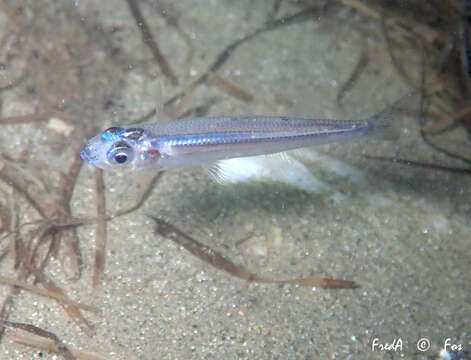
391,216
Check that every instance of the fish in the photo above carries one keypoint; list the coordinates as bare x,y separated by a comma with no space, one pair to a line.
206,140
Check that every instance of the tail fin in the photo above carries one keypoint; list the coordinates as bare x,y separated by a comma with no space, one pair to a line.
384,124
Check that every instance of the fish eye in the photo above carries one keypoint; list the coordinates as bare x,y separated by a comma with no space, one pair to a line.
121,158
120,153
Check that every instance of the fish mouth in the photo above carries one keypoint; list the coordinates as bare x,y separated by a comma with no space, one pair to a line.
86,154
90,156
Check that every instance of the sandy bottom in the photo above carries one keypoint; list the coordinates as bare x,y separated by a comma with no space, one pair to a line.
403,237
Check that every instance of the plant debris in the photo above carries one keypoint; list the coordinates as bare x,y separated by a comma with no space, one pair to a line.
150,41
47,340
51,78
215,259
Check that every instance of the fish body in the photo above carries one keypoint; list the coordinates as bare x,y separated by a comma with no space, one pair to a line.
202,140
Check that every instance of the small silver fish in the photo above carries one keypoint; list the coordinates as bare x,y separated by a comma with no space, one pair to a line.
205,140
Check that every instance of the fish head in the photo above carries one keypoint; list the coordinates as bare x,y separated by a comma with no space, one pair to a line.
120,148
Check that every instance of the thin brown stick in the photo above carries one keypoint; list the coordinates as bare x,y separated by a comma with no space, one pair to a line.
223,56
101,234
461,171
29,253
6,214
29,268
7,308
8,217
230,88
72,258
146,183
60,347
50,294
36,116
23,172
4,253
69,179
170,14
149,40
196,111
7,305
16,240
444,121
215,259
177,109
394,60
360,67
49,345
52,250
145,117
60,94
427,32
33,199
73,311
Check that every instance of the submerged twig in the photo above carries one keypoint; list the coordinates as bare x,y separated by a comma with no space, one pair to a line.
36,116
212,257
58,78
28,267
100,239
413,163
146,183
71,310
443,151
23,172
46,293
394,60
149,40
169,13
50,345
69,179
224,55
16,182
57,343
427,32
177,109
71,257
230,88
7,308
449,121
360,67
